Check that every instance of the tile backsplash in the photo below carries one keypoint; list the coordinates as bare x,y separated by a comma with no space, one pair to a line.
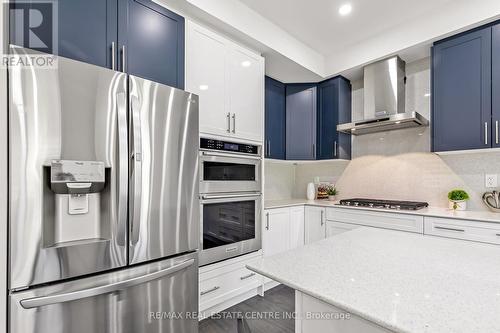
392,165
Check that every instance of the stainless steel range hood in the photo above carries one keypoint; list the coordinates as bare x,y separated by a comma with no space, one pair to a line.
384,100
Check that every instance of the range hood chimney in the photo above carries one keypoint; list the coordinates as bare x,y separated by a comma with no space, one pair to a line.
384,100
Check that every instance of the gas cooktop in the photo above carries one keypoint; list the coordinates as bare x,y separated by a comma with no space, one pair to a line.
384,204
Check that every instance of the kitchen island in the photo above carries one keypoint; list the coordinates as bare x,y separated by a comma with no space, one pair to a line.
372,280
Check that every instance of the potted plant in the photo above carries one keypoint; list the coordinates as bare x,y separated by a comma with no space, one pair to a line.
331,190
458,199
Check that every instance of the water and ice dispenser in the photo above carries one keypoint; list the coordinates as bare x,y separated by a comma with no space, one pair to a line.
75,203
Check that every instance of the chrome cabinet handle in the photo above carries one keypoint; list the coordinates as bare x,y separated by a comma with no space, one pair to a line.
124,57
268,147
450,229
228,116
209,290
267,221
335,148
498,235
322,218
486,133
496,132
113,55
314,150
234,122
36,302
247,276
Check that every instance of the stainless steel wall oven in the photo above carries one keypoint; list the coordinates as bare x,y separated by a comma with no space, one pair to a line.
231,199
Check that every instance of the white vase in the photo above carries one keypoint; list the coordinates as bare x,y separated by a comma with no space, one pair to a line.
457,205
332,198
311,191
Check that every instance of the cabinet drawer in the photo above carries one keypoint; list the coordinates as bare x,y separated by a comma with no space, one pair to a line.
395,221
463,229
224,283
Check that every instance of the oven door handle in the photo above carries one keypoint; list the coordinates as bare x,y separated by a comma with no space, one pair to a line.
235,155
229,196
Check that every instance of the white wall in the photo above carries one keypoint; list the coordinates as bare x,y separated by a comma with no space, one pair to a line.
3,173
398,164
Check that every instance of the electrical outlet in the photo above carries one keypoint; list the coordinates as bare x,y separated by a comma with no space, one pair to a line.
491,181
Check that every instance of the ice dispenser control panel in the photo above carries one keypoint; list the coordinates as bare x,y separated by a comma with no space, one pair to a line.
76,180
73,177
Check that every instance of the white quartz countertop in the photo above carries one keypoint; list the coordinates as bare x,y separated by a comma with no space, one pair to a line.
485,216
402,281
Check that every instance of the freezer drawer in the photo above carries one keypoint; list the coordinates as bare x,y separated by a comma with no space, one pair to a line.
154,298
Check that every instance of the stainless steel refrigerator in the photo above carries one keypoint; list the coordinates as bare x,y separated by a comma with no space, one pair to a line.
103,200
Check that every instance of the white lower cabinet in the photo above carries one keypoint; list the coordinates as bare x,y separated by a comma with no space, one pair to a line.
334,228
296,227
224,284
276,231
314,224
393,221
463,229
283,229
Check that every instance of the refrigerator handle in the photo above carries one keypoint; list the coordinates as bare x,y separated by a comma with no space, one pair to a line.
121,103
136,175
36,302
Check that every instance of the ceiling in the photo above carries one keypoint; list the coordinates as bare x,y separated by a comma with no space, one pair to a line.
317,23
307,40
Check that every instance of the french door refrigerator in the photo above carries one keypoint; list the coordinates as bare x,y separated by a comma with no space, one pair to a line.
103,201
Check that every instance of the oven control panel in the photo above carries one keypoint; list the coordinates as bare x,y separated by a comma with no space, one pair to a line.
228,146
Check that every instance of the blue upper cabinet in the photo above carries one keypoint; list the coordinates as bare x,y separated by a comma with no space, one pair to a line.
495,123
274,143
334,107
85,29
151,42
462,83
139,37
301,110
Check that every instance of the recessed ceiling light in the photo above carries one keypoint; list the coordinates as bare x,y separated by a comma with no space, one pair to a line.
246,63
203,87
345,9
427,95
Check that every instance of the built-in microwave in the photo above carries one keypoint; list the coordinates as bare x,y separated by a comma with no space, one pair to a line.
229,167
230,225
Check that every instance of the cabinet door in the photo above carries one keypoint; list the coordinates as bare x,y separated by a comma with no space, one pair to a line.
275,235
206,77
85,32
296,227
274,142
301,122
246,93
336,228
328,115
314,224
462,92
153,38
496,87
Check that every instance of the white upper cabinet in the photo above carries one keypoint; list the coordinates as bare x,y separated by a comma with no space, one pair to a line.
230,82
246,91
205,76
